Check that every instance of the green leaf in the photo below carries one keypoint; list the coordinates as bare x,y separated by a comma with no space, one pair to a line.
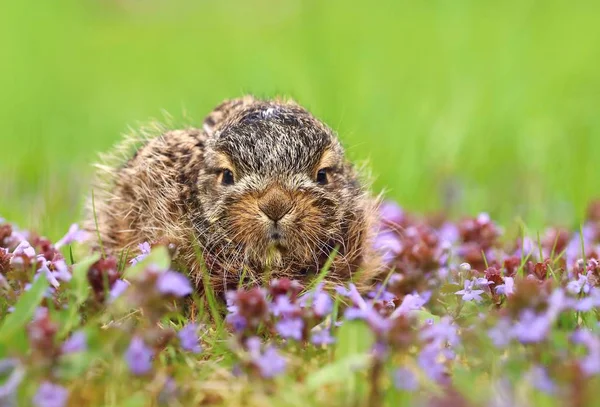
79,282
159,256
79,294
137,400
353,337
24,310
338,371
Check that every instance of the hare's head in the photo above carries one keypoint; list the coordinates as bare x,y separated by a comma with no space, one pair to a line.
277,191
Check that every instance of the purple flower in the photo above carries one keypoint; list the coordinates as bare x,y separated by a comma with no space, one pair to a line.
428,361
322,337
411,302
404,379
449,233
49,276
501,334
50,395
118,288
139,357
290,328
282,306
507,288
538,377
379,293
581,285
8,387
590,364
390,211
388,244
145,250
441,333
353,313
237,321
188,338
22,249
270,363
173,283
322,303
76,343
531,327
73,235
468,293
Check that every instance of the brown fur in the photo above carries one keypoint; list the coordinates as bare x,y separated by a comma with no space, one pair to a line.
166,186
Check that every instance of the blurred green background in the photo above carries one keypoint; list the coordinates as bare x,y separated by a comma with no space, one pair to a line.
473,105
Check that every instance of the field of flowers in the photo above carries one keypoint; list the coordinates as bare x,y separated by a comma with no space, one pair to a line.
470,315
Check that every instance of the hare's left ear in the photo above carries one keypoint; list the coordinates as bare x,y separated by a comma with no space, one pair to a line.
224,110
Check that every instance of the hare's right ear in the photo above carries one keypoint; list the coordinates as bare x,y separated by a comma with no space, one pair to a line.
223,111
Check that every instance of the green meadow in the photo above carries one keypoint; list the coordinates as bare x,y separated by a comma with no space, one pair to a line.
465,106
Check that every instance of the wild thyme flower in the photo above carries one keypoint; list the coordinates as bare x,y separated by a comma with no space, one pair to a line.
468,293
501,334
428,362
269,363
188,338
139,357
322,337
405,379
508,288
538,378
145,250
590,364
581,285
173,283
290,328
76,343
391,213
531,327
50,395
75,234
8,388
118,288
282,306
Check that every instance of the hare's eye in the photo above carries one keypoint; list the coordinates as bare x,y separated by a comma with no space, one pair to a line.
322,177
227,177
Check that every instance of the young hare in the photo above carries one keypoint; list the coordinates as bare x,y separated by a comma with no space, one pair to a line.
262,190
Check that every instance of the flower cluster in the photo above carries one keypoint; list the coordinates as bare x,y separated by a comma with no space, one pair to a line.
459,298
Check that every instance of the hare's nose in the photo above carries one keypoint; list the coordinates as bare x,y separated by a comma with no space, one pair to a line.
275,203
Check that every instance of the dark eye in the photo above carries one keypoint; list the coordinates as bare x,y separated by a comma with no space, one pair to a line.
227,177
322,177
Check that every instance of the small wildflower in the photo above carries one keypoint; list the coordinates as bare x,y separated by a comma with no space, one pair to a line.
118,288
269,363
73,235
501,334
405,379
282,306
538,377
188,338
507,288
468,294
322,337
50,395
8,387
581,285
531,327
290,328
76,343
173,283
391,212
139,357
145,250
428,361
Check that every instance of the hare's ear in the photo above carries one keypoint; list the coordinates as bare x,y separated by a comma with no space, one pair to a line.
224,110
